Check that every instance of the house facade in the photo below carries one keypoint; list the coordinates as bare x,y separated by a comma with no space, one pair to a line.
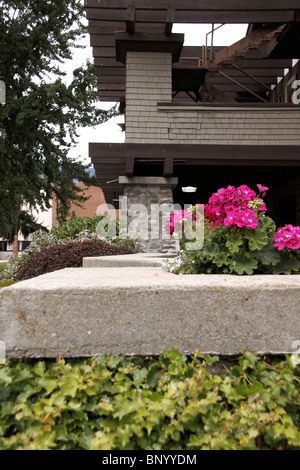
200,117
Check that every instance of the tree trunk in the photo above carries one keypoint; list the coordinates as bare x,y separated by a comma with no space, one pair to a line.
16,246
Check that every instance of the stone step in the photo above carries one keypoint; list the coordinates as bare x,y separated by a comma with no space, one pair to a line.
82,312
136,260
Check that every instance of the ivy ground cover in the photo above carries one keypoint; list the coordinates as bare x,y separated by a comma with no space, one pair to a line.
166,403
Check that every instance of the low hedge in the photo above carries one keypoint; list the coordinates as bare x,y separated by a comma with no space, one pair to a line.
69,255
168,403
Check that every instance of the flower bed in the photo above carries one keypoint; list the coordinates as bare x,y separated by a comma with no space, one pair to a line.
238,237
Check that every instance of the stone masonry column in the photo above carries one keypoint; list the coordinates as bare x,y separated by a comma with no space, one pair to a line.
145,204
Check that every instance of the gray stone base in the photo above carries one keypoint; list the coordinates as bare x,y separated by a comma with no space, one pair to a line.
151,192
144,310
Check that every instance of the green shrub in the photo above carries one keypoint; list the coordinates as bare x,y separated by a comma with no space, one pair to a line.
77,229
6,283
2,269
39,241
77,224
170,402
69,255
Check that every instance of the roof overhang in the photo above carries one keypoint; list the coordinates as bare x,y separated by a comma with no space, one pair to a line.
151,42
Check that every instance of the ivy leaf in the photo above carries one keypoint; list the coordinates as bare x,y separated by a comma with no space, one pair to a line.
244,263
249,360
234,241
154,374
5,377
70,388
257,238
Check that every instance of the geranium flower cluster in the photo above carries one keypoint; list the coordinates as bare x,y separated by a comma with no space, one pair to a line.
287,237
236,207
176,220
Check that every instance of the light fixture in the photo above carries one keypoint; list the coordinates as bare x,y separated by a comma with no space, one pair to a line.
189,189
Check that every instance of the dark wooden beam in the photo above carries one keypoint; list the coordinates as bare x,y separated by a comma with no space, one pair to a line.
148,43
234,17
263,72
272,155
242,78
107,62
252,89
102,40
105,27
104,52
169,21
192,16
168,167
112,27
203,5
111,71
129,168
113,79
111,95
263,63
108,86
130,19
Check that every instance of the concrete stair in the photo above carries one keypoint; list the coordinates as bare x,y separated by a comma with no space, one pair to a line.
140,309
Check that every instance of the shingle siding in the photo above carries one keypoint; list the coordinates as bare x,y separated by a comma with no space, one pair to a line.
149,81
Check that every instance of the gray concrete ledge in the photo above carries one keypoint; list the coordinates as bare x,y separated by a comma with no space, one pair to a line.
142,260
138,310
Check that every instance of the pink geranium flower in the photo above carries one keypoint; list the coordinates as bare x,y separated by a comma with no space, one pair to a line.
262,189
230,206
247,219
287,237
176,221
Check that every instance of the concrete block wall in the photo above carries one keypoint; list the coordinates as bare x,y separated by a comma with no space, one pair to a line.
149,81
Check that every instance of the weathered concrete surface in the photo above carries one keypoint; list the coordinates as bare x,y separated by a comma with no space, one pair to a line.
141,260
86,312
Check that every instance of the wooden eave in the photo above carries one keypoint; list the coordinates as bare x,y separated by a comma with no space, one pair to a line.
113,160
108,20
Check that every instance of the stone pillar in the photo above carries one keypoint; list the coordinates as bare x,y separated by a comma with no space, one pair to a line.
145,195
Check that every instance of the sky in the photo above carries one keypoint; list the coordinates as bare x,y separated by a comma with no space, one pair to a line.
195,35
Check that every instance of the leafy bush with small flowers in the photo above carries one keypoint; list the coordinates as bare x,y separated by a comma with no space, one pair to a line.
238,237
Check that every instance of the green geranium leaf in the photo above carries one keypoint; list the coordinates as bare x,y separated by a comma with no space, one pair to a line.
234,241
257,238
288,264
210,250
221,259
244,263
268,224
268,255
